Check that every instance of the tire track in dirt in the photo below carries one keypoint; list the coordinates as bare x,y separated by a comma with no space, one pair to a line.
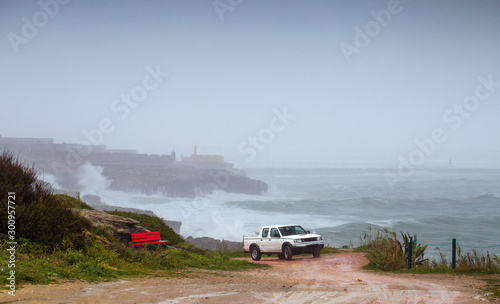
332,278
351,284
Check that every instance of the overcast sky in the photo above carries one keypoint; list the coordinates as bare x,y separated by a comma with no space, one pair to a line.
265,83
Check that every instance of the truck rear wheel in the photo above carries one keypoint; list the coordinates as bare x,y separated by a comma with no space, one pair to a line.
287,252
256,254
281,256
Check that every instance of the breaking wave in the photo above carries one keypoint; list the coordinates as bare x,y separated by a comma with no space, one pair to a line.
341,209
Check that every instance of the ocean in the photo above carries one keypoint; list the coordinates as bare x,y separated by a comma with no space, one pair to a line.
341,204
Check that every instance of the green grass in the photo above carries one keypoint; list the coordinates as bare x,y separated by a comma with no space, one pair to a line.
493,287
104,262
97,263
104,258
237,254
328,250
362,248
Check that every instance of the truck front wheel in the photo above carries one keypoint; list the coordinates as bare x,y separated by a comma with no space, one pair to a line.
256,254
287,252
316,252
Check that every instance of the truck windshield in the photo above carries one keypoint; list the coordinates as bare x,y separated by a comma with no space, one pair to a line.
292,230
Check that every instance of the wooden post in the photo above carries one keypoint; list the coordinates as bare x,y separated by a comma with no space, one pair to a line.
453,253
410,251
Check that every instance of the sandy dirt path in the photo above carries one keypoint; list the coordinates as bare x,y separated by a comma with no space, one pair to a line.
333,278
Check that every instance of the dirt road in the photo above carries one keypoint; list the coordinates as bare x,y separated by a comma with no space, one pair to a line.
334,278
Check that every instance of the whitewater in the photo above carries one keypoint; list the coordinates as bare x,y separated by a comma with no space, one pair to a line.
437,205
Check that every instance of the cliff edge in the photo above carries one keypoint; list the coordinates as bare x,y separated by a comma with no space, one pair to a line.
134,172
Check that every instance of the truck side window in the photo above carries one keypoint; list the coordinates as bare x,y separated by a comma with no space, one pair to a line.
265,232
275,233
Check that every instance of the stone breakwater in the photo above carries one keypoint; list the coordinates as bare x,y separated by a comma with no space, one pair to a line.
180,181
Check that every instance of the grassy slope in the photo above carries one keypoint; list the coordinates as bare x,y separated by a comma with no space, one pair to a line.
153,224
99,260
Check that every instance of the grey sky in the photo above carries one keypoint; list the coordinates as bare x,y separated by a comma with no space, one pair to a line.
230,71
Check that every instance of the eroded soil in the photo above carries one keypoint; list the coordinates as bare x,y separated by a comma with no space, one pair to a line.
333,278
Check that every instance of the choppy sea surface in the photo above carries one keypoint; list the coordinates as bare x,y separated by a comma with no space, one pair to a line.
437,205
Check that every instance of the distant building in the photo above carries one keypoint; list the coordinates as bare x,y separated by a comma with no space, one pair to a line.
204,161
203,158
43,152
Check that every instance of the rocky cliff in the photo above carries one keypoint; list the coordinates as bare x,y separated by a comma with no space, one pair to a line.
215,245
121,228
118,226
95,202
180,181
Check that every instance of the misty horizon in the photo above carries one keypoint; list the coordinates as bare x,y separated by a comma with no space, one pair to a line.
280,84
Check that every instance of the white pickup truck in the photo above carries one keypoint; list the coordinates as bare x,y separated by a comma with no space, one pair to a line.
284,240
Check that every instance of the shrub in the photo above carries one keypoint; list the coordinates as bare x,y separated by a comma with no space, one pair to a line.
41,216
386,252
477,261
19,178
73,202
74,257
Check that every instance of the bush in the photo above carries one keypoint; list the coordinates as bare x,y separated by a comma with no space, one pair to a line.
21,179
386,252
477,261
72,202
53,224
41,217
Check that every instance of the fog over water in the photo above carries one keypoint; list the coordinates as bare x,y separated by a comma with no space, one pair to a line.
341,205
267,84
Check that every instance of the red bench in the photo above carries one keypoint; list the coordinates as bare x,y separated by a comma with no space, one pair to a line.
141,238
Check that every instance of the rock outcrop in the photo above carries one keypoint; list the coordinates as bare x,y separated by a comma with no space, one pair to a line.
181,181
121,227
214,245
118,226
95,202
